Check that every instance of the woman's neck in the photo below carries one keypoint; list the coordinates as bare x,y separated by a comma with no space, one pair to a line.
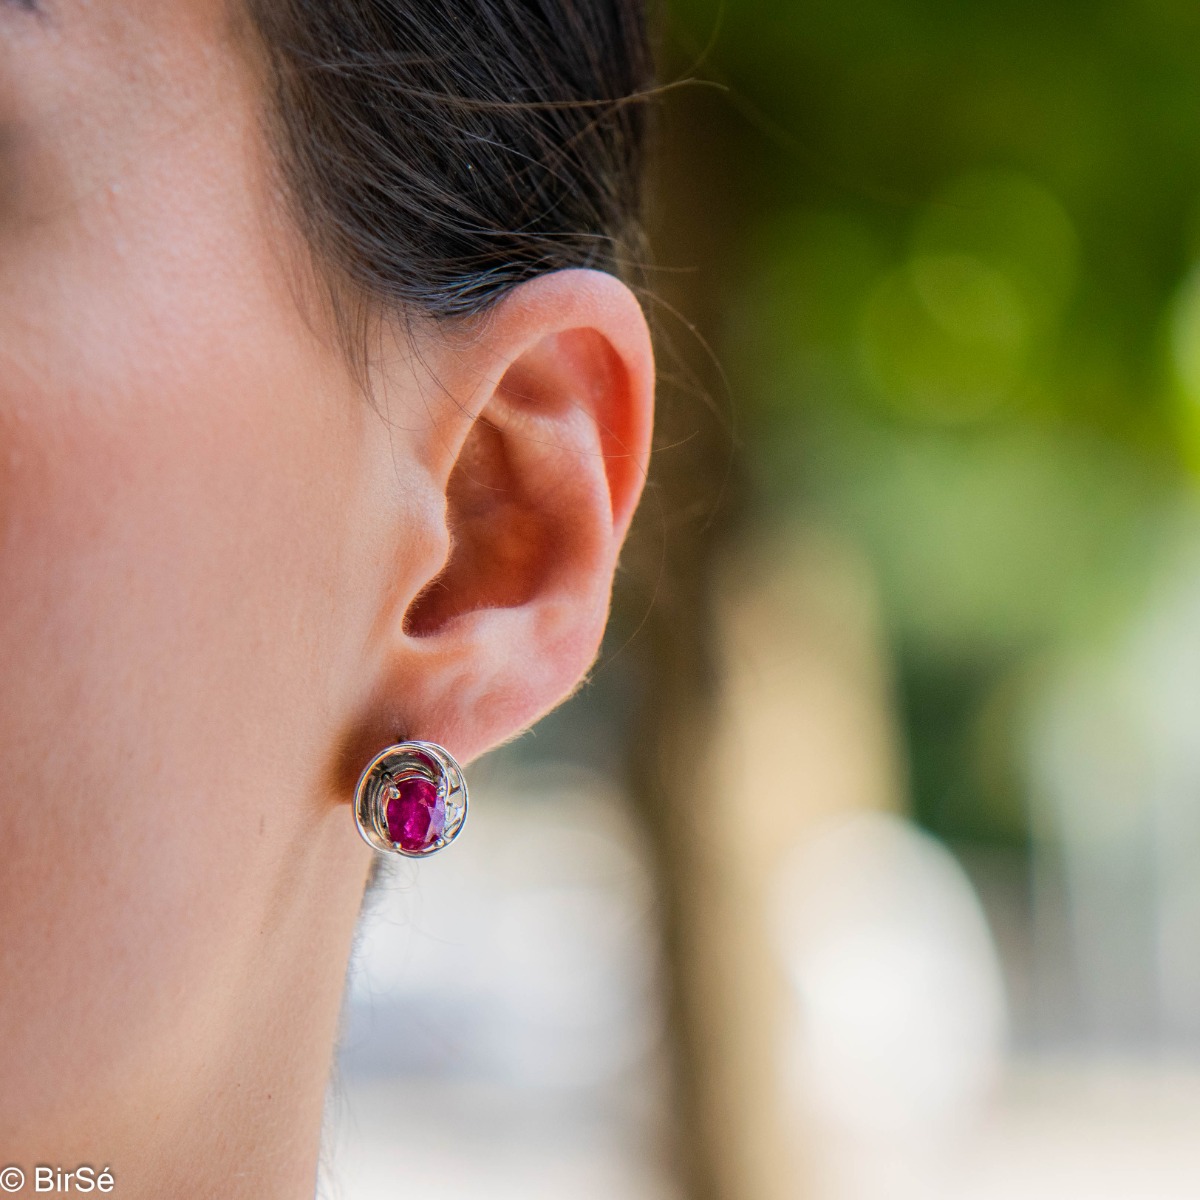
232,1105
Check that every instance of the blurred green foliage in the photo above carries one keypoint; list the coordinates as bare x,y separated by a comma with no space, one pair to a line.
961,291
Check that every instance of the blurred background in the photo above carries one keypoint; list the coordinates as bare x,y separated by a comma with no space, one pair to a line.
867,865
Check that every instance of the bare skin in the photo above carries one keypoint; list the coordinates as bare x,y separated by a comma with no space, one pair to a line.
216,559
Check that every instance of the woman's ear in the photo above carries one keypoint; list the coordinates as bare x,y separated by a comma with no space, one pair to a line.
553,401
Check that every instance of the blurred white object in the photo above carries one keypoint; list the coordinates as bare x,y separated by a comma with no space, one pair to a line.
900,1015
503,1025
527,959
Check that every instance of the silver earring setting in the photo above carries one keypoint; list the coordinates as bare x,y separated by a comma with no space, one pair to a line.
411,800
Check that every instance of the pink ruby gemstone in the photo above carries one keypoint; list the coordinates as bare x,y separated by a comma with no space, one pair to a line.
416,816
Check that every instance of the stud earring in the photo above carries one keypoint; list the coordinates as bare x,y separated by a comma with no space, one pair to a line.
411,799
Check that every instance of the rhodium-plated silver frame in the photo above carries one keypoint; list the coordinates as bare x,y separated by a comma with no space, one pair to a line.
408,760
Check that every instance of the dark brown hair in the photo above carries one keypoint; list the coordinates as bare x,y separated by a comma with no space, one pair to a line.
438,152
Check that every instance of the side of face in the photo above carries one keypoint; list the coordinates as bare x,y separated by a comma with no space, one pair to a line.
187,545
225,578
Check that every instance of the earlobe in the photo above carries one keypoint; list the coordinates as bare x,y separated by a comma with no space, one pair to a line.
539,497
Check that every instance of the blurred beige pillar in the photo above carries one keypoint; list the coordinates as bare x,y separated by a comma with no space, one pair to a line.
804,732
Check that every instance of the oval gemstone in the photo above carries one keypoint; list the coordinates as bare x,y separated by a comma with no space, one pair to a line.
416,816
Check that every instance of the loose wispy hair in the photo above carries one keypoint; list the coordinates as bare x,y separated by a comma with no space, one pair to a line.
438,152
